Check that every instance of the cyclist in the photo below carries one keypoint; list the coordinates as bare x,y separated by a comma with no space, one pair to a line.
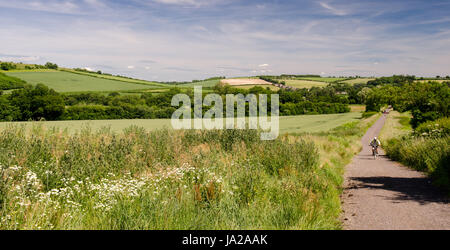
375,143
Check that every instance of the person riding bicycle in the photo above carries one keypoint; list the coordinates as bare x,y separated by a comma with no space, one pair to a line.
375,143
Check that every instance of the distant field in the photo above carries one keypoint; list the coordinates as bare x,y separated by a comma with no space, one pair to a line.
304,83
245,81
69,82
288,124
206,84
322,79
359,80
357,107
117,78
272,87
440,81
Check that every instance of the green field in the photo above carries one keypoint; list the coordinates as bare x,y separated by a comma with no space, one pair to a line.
205,84
304,84
272,87
69,82
322,79
116,78
358,80
288,124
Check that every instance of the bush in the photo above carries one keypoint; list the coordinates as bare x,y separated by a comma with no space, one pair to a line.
424,154
437,128
9,82
368,114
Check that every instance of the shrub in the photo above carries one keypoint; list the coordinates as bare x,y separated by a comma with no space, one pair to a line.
10,82
368,114
437,128
424,154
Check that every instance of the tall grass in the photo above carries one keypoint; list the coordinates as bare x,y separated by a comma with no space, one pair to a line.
50,179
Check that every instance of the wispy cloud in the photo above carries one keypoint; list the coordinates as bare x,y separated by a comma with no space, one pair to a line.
332,9
186,39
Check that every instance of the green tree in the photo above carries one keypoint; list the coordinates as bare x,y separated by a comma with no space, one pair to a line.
35,103
50,65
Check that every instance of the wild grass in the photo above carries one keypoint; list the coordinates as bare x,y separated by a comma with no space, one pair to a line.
164,179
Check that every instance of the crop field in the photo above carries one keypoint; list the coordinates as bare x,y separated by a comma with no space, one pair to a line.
205,84
69,82
271,87
440,81
288,124
304,83
245,81
358,80
322,79
116,78
357,107
166,179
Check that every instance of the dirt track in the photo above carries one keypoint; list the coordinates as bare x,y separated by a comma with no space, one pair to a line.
383,194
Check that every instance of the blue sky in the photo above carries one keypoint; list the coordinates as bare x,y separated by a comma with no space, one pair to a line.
169,40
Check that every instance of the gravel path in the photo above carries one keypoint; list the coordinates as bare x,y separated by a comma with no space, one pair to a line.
383,194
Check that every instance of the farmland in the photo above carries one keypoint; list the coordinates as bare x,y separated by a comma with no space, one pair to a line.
69,82
358,80
305,83
245,81
271,87
288,124
172,179
322,79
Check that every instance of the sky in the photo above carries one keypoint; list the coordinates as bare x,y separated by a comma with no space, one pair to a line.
177,40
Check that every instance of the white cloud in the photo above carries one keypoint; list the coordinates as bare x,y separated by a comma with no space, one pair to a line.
130,67
263,65
13,58
55,6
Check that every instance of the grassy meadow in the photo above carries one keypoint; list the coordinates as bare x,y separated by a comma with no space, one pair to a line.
164,179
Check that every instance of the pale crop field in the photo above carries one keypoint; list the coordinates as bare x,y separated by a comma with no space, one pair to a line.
357,107
245,81
288,124
69,82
